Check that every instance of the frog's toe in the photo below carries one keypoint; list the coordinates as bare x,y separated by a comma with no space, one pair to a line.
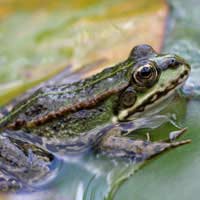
154,148
176,134
179,143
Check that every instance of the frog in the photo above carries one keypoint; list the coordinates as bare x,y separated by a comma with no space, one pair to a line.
100,112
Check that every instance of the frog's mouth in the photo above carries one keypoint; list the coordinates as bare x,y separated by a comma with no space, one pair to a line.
156,96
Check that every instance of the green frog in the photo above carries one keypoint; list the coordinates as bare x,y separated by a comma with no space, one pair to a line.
97,114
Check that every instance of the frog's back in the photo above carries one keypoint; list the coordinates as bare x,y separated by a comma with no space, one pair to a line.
53,101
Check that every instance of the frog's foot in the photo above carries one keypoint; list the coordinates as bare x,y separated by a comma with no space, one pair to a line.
138,150
8,183
24,165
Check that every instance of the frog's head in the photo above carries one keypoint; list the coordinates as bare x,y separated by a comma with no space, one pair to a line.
154,77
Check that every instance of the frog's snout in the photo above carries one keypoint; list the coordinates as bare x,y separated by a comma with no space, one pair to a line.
182,61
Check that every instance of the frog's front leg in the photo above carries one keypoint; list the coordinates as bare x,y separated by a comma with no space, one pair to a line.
115,145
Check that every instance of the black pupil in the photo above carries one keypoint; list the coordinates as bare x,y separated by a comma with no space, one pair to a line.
145,71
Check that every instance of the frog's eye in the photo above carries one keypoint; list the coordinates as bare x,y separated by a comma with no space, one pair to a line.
146,75
128,97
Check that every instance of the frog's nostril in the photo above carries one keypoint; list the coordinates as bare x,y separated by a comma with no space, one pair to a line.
173,63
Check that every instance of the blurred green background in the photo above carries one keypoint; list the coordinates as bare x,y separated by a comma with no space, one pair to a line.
40,39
